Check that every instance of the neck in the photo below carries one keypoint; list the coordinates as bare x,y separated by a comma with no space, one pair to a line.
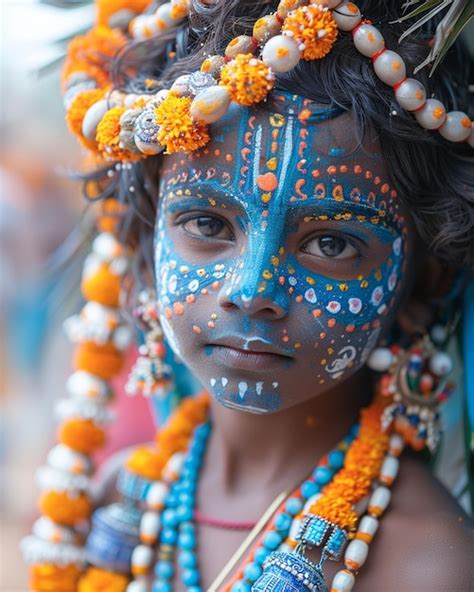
279,450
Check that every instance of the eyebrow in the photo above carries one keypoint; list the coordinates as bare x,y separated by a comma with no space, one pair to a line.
312,208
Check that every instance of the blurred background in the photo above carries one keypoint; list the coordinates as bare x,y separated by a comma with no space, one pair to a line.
41,211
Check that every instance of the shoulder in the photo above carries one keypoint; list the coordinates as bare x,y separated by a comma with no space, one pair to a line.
425,541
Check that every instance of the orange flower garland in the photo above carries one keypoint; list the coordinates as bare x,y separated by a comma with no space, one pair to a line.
106,9
64,508
101,580
103,360
54,578
82,435
77,111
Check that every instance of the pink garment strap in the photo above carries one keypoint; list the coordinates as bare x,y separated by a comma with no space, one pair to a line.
224,524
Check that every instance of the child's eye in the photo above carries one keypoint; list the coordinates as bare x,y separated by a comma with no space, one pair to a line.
208,226
330,245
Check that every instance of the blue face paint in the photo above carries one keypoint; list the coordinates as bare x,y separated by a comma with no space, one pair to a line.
274,180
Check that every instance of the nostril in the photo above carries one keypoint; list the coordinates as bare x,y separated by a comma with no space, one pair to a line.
227,305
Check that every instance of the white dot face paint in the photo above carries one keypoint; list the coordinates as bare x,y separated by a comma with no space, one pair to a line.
279,262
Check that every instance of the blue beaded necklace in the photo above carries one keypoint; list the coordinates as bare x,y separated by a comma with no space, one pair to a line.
179,530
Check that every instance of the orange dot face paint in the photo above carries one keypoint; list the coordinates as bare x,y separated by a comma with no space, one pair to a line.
282,265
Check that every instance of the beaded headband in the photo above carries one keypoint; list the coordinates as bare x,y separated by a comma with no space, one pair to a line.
129,127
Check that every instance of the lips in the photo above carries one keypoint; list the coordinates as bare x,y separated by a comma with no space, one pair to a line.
257,354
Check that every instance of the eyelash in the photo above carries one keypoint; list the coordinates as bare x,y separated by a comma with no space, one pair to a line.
354,242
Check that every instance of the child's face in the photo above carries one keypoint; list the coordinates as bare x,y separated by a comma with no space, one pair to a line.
277,239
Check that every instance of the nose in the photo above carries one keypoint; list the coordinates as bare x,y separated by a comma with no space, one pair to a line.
258,306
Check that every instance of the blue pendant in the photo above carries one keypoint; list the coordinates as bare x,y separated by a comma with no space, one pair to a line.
290,572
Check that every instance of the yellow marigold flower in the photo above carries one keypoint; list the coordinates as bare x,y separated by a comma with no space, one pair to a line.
92,54
247,79
107,8
108,136
179,132
314,28
337,510
146,462
101,580
46,576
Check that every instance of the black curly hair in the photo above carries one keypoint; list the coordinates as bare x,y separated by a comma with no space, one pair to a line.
435,178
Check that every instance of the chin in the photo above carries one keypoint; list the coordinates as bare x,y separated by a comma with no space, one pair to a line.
239,396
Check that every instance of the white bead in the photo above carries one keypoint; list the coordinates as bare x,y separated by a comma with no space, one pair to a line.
439,333
107,247
470,140
122,337
389,470
343,581
294,529
142,556
327,3
379,501
411,94
390,67
66,459
432,115
149,527
440,364
457,127
368,40
347,16
172,469
47,530
210,104
367,528
356,554
396,444
140,27
156,495
165,18
281,53
311,501
137,586
82,385
181,85
380,359
93,116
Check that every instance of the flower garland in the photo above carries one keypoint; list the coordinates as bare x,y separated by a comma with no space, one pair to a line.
55,550
128,127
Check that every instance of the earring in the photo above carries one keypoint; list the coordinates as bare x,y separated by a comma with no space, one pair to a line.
416,381
150,374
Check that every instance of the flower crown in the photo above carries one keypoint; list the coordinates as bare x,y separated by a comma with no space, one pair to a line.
129,127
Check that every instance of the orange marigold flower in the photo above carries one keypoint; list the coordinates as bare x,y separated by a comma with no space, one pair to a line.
92,53
314,28
111,214
108,136
82,435
102,286
107,8
247,79
179,132
337,510
47,577
146,462
65,508
105,360
101,580
77,111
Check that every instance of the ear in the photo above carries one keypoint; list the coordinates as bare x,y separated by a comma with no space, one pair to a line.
431,282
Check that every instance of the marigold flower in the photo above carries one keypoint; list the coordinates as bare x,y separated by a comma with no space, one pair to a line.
46,577
105,361
82,435
247,79
101,580
65,508
314,28
102,286
146,463
179,132
107,8
108,136
77,111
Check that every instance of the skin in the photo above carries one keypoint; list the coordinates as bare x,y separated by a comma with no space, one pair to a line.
282,256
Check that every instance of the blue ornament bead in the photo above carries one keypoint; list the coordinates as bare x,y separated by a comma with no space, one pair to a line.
164,570
241,587
194,589
322,475
283,521
187,527
186,540
169,536
161,586
293,506
252,572
309,488
336,459
184,513
186,499
169,518
355,430
290,572
187,560
272,540
190,577
261,554
172,500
